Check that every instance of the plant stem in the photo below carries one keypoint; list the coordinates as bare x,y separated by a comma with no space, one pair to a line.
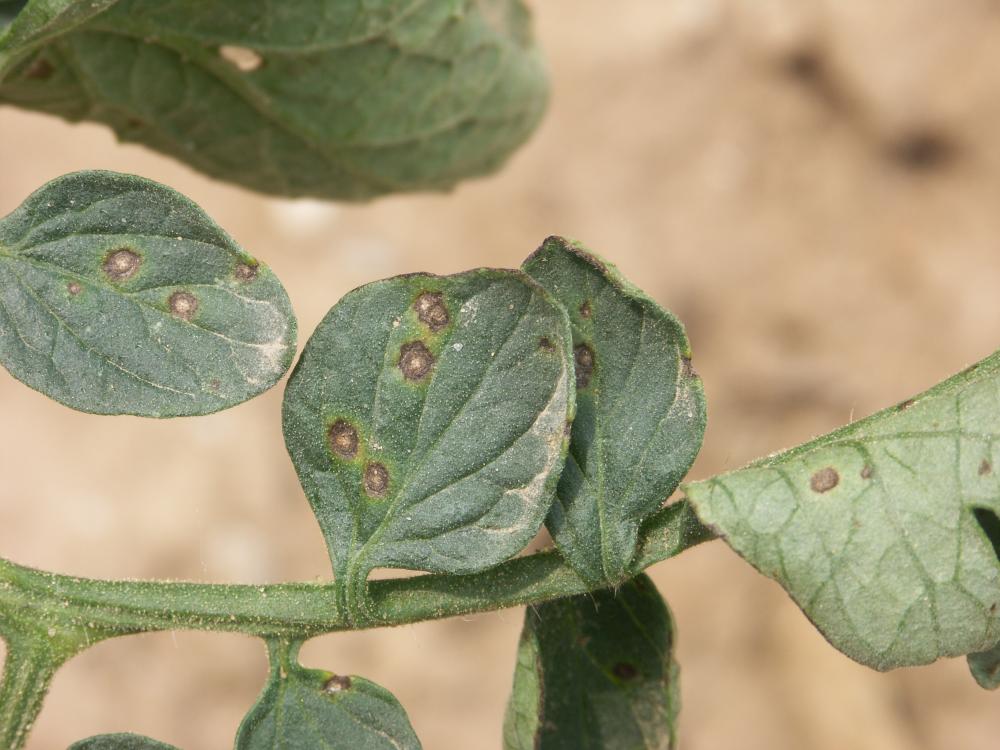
28,669
103,609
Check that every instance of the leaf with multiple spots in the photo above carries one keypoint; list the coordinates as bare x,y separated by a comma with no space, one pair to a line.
427,422
348,99
640,411
885,532
308,709
120,296
120,742
596,672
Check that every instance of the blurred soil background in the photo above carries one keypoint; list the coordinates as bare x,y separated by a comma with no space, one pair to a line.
813,186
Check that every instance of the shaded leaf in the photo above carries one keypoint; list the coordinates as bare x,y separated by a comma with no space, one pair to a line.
985,668
426,420
309,709
884,531
120,742
120,296
596,672
348,99
640,411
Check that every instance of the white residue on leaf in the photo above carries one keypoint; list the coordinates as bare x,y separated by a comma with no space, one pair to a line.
457,346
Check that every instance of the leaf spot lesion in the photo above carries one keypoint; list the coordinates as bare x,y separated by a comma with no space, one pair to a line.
336,684
343,439
824,480
432,311
415,360
376,480
583,357
121,264
183,304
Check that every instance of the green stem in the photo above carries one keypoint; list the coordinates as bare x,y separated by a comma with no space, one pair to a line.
28,669
102,609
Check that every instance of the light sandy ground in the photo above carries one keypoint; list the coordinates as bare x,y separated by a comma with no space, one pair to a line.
812,186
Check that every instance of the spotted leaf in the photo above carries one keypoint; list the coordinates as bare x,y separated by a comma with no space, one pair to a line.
120,296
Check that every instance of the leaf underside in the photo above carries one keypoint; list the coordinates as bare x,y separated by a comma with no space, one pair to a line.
309,709
426,419
347,100
596,672
120,742
884,532
120,296
640,411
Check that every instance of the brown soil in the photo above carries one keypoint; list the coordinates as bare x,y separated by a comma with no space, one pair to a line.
812,186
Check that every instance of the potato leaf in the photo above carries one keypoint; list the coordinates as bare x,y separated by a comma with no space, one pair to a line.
120,296
347,99
120,742
596,672
309,709
427,421
885,531
640,411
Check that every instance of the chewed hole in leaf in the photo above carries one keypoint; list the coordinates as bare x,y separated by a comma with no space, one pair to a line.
824,480
243,59
431,310
337,684
246,272
121,264
376,479
990,524
183,304
583,356
343,439
415,360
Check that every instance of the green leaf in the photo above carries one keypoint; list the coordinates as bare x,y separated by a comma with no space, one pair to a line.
306,709
884,532
427,419
120,296
120,742
985,667
347,99
640,411
596,672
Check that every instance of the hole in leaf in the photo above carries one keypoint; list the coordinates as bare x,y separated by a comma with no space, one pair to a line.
990,525
243,59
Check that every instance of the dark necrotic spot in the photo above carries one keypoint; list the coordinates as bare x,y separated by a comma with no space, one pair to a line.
990,525
625,671
73,288
40,70
824,480
337,683
583,356
415,360
183,304
376,479
546,343
246,271
431,310
343,439
585,310
867,472
985,468
121,264
687,368
903,406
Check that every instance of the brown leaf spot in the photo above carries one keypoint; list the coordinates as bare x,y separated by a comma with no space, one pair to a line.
376,479
183,304
121,264
431,310
415,360
903,406
585,309
824,480
867,472
583,356
687,368
343,439
336,684
246,271
545,343
624,671
40,70
74,288
985,468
